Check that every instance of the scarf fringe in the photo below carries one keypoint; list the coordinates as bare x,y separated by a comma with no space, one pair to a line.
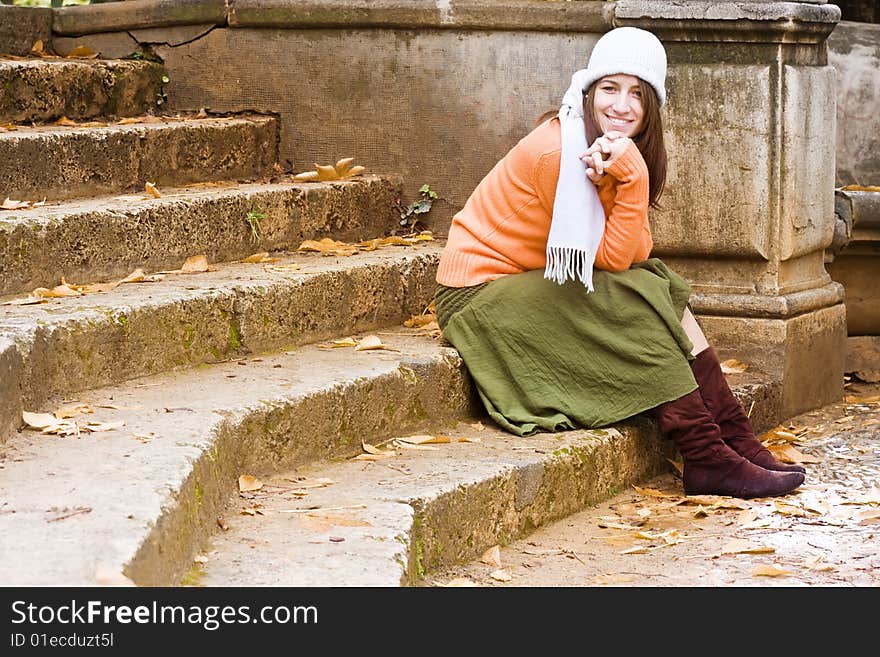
564,263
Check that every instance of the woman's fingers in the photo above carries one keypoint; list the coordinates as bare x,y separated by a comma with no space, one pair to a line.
593,176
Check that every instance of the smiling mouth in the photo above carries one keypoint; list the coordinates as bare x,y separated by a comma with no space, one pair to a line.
615,121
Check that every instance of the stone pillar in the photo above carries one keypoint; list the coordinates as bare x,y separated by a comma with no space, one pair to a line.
749,202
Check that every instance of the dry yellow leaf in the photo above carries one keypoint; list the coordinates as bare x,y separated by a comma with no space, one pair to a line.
742,546
425,440
465,439
370,342
426,448
770,571
263,256
195,264
855,399
733,366
326,172
492,556
636,550
328,247
10,204
417,321
152,190
83,52
306,176
345,342
653,492
65,121
37,48
861,188
129,120
343,165
788,454
39,420
24,301
248,482
500,575
104,426
72,411
819,566
787,509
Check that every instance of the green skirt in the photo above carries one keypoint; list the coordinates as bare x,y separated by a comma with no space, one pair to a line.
550,357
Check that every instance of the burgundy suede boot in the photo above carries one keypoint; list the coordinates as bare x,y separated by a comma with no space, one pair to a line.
736,430
710,466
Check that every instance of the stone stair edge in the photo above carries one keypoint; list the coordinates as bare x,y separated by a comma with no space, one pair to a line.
96,240
46,89
120,158
185,321
282,410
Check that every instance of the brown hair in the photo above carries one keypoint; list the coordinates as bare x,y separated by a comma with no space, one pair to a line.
649,138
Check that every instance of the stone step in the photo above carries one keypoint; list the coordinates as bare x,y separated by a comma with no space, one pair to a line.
76,343
142,498
43,90
58,162
104,238
393,521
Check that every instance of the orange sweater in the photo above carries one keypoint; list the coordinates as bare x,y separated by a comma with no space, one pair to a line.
503,227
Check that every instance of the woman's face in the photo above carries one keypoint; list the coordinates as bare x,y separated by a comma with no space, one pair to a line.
617,104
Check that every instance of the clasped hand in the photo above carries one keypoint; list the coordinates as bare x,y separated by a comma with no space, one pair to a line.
603,152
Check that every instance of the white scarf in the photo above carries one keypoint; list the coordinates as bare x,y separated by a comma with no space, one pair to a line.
578,216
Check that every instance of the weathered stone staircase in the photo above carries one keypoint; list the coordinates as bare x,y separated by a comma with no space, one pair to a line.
201,378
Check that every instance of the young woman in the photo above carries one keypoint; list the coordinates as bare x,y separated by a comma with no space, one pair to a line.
547,289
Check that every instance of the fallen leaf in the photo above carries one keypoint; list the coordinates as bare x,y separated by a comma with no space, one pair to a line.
10,204
200,558
787,509
328,247
151,189
263,256
248,483
769,571
97,427
129,120
500,575
636,550
425,440
788,454
855,399
612,579
37,48
492,556
283,268
39,420
24,301
222,524
545,552
465,439
417,321
64,121
733,366
427,448
83,52
819,566
195,264
741,546
653,492
370,342
59,291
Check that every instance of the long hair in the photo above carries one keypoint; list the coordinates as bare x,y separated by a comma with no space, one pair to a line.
649,138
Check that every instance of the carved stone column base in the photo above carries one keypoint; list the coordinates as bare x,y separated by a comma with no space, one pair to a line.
807,352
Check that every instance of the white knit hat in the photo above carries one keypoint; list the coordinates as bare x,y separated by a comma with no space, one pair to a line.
632,51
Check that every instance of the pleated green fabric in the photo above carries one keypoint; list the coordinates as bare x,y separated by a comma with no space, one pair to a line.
549,357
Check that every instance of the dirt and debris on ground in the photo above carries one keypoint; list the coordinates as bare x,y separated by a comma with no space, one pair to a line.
824,534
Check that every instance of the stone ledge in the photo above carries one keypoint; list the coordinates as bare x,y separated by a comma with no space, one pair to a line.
105,238
21,27
185,321
149,502
767,306
137,14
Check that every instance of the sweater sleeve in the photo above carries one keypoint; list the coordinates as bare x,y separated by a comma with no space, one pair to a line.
627,237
